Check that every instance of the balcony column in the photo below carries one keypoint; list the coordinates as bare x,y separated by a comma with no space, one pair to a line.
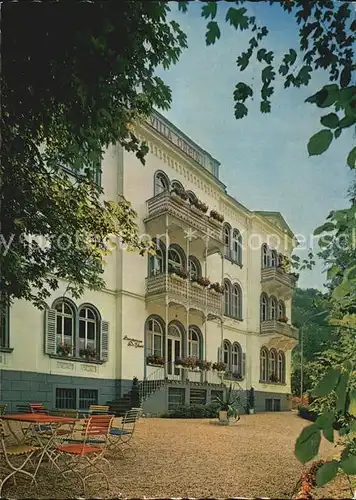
186,340
222,310
166,301
206,305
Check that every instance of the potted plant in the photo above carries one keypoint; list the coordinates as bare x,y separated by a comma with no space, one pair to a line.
219,366
89,353
217,288
204,366
155,360
204,282
283,319
203,207
227,409
216,216
178,191
64,349
237,375
251,401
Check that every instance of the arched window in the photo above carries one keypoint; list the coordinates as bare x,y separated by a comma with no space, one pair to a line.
237,246
154,336
281,368
227,239
281,309
88,329
265,256
177,185
194,267
274,259
227,354
156,263
65,323
161,183
227,298
273,307
264,308
264,365
236,302
194,342
176,258
236,358
273,365
191,197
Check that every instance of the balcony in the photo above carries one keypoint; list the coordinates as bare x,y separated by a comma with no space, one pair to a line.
281,335
275,281
182,292
183,215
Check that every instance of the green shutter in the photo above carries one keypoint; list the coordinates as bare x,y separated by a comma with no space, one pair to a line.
50,331
243,364
104,341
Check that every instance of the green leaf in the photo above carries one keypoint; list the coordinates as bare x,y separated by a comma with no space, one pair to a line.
351,158
331,120
325,420
326,472
209,10
213,33
237,18
183,6
328,433
242,92
307,444
353,426
352,405
341,390
345,76
319,142
341,291
240,110
327,227
332,272
261,54
265,107
327,383
348,465
337,133
268,74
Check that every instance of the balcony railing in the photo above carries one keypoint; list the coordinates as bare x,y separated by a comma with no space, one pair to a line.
183,292
274,327
187,214
276,280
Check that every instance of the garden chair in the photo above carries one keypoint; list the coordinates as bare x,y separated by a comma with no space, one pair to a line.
82,455
23,409
39,408
8,454
122,435
101,409
3,409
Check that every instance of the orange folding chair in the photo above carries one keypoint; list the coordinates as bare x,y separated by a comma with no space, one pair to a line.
81,455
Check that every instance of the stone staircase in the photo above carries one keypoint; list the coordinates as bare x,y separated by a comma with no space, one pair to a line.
139,392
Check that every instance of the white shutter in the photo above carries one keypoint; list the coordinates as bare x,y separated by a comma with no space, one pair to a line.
243,364
104,341
50,331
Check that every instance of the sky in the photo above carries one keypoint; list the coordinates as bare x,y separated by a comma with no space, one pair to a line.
264,159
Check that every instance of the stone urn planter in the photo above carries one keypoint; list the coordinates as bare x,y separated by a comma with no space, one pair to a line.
223,416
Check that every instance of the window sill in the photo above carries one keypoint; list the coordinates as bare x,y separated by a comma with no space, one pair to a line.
152,364
232,379
77,360
6,349
233,261
272,383
232,317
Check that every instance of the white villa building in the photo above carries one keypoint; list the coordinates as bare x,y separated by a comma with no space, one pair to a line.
217,290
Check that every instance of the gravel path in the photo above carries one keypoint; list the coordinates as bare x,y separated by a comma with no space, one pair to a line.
194,458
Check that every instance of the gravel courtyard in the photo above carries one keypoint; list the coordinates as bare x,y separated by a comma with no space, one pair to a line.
194,458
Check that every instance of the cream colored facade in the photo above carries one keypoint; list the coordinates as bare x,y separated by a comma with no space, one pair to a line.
184,311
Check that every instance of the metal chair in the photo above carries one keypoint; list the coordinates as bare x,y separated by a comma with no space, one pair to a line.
23,408
101,409
19,450
89,452
122,435
40,409
3,409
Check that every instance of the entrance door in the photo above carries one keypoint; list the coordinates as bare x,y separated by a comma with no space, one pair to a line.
174,349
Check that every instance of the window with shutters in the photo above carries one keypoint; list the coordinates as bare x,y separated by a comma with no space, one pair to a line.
76,332
4,327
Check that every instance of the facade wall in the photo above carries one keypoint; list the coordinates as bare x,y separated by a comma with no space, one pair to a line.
123,303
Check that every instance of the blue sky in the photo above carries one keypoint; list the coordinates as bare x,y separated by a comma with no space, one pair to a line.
264,161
